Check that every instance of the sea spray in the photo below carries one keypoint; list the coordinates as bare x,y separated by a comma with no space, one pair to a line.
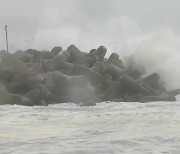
157,52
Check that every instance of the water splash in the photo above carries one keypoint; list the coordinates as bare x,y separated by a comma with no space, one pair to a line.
158,52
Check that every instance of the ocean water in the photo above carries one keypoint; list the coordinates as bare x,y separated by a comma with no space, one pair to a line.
108,128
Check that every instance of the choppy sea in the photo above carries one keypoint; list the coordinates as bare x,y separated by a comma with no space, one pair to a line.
108,128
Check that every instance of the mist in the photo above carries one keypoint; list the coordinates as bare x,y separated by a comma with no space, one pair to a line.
146,30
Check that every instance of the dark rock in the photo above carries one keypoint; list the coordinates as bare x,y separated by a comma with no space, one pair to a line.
35,77
135,74
23,56
114,59
36,56
131,86
101,52
94,77
136,98
153,80
113,70
98,67
175,92
48,65
55,51
76,54
59,59
46,55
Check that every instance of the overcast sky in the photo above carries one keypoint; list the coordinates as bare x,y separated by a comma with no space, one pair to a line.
43,24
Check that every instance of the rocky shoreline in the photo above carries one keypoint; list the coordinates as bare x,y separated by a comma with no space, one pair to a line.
35,77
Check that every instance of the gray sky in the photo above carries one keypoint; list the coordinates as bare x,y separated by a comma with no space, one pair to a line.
43,24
